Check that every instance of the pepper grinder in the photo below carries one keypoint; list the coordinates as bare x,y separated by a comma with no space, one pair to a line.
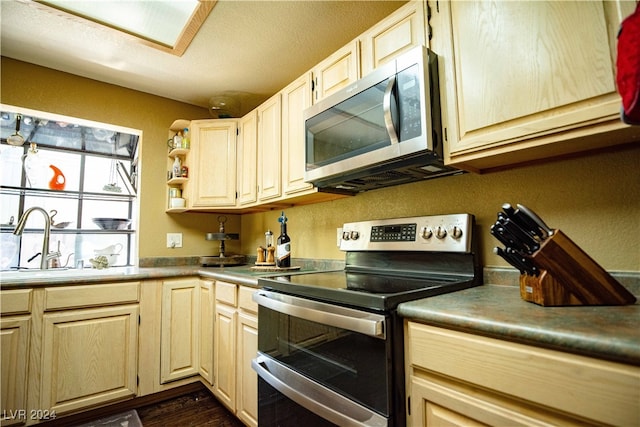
268,237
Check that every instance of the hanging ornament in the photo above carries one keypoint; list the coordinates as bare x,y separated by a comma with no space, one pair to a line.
112,184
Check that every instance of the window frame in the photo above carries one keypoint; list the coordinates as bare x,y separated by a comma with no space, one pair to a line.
129,254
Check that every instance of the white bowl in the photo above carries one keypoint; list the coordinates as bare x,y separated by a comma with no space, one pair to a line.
177,202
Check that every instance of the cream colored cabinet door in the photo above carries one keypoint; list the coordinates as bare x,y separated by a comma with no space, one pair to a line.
337,71
224,343
520,81
248,159
269,149
212,164
179,342
14,357
397,33
247,379
224,362
450,377
207,310
89,357
295,99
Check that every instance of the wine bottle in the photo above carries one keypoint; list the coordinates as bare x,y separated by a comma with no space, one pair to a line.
283,248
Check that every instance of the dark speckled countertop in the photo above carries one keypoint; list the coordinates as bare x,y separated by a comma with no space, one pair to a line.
611,333
238,274
604,332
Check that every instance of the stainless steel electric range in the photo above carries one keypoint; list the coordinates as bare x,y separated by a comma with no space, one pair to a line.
330,344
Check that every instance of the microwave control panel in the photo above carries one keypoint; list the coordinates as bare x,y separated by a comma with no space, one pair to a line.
437,233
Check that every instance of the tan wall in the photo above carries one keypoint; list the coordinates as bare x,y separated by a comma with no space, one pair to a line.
595,199
28,86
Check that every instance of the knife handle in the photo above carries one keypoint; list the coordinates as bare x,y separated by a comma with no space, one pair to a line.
536,219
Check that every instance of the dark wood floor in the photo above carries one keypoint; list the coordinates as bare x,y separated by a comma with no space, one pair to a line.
192,405
194,409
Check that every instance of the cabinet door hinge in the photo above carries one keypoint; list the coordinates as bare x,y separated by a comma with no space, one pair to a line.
445,135
139,319
237,131
137,380
408,405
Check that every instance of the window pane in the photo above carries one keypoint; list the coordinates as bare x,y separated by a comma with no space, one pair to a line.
11,165
9,250
103,209
113,246
9,208
101,176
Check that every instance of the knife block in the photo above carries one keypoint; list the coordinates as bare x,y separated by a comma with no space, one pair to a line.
568,276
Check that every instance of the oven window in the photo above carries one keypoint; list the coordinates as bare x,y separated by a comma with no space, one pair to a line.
350,363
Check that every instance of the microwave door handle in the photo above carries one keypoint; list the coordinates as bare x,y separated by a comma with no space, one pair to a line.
313,396
386,108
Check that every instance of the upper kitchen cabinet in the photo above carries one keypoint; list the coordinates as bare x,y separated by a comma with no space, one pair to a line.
295,99
269,149
528,80
337,71
400,31
212,181
248,159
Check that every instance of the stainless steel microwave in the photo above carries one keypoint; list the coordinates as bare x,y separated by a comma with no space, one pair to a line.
379,131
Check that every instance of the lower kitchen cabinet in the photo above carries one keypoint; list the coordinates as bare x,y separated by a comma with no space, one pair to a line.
461,379
235,345
247,341
89,346
179,356
15,326
205,329
224,344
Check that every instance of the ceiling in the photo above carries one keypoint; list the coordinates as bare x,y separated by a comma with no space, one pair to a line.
249,49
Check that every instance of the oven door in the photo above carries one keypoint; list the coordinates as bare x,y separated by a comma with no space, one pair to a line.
322,360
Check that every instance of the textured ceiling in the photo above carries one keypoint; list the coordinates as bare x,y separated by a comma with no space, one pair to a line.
250,47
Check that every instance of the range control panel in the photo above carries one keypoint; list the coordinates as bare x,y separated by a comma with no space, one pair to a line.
438,233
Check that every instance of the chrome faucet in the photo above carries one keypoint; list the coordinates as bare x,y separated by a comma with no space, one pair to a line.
45,254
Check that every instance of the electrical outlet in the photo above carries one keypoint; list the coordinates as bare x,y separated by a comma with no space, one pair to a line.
174,240
338,236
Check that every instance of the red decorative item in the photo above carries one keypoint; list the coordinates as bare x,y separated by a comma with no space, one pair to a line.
628,67
58,181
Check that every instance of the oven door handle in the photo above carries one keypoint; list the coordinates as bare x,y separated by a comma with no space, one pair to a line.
340,317
313,396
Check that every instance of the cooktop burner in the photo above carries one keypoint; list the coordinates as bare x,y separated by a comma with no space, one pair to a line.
366,291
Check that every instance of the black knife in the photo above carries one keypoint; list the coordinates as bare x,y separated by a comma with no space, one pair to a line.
514,236
539,223
528,264
521,235
522,264
500,233
508,209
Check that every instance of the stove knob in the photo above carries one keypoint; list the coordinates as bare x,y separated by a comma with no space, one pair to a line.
426,232
345,235
441,232
456,232
355,235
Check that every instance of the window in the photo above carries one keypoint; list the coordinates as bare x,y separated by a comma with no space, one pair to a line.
76,171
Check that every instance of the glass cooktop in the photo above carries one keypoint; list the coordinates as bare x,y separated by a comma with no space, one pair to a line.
362,290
